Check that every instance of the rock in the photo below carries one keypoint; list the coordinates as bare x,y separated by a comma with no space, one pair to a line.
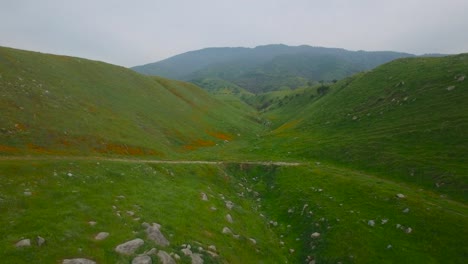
236,236
27,193
291,250
152,251
371,222
389,246
226,230
176,256
450,88
315,235
212,248
186,251
461,78
23,243
165,258
253,241
129,247
406,210
155,234
143,259
130,213
78,261
229,205
213,208
384,221
40,241
408,230
101,236
229,218
401,196
197,258
204,197
92,223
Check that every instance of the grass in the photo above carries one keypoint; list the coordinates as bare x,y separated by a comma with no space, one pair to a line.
396,129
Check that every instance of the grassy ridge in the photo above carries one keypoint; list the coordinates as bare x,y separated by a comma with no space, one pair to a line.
65,105
406,119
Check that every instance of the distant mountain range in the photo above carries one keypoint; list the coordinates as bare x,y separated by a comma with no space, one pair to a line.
268,68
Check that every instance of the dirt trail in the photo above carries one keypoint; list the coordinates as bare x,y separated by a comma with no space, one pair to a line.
46,158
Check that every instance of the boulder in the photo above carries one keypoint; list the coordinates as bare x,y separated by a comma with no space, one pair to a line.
143,259
165,258
101,236
23,243
129,247
155,234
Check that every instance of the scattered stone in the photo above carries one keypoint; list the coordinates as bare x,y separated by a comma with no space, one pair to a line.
70,174
401,196
155,234
229,205
291,250
129,247
398,225
315,235
213,208
40,241
408,230
78,261
92,223
176,256
23,243
253,241
152,251
197,258
290,210
406,210
229,218
186,251
165,258
212,248
120,197
204,197
130,213
461,78
143,259
384,221
226,230
389,246
236,236
101,236
450,88
371,222
27,193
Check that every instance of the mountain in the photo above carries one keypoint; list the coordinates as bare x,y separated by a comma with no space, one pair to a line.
270,67
370,169
66,105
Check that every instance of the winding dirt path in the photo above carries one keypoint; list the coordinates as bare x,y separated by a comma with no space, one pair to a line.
48,158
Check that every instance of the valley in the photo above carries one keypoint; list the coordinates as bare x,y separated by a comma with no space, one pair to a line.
364,167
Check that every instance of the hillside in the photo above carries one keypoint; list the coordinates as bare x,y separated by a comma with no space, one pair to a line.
270,67
64,105
406,120
371,169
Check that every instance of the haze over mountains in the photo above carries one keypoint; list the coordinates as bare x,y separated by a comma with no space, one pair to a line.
270,67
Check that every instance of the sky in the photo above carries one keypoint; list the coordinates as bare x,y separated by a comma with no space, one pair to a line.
131,33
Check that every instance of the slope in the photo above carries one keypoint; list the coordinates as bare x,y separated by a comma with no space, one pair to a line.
269,67
64,105
405,120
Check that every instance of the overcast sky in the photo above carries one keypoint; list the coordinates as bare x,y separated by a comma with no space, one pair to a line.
130,33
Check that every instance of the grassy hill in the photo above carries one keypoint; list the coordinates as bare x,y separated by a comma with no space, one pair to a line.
64,105
406,120
268,68
381,176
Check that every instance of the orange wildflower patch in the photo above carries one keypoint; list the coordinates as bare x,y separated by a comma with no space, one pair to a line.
199,143
220,135
8,149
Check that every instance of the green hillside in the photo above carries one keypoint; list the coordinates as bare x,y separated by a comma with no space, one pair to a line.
370,169
64,105
268,68
406,120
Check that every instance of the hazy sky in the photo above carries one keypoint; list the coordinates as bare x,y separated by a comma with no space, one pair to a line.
136,32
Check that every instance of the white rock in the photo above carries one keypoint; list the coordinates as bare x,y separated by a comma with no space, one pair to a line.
204,197
27,193
186,251
229,205
408,230
144,259
291,250
155,234
450,88
165,258
40,241
406,210
129,247
253,241
384,221
92,223
399,195
371,222
23,243
229,218
226,230
101,236
315,235
197,258
212,248
78,261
